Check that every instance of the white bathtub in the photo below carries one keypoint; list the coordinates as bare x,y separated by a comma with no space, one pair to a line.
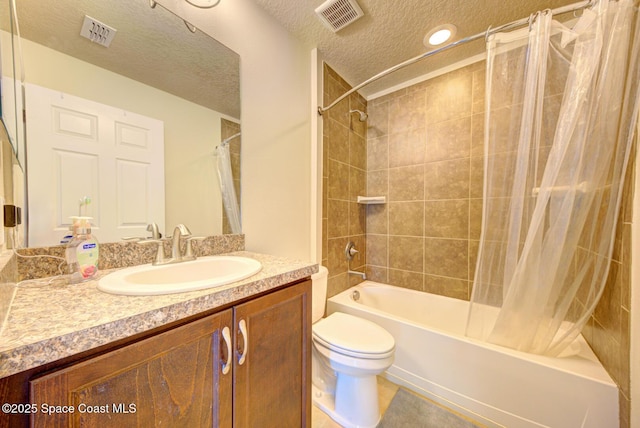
491,384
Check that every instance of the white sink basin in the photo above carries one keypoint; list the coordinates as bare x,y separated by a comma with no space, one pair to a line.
204,272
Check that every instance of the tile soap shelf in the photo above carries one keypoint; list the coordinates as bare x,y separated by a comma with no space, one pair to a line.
369,200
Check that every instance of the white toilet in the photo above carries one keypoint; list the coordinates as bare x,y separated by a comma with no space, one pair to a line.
348,353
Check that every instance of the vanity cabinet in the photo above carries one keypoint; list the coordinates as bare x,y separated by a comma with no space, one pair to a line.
165,380
272,386
246,366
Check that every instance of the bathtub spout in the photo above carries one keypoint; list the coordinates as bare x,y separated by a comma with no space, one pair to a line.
362,274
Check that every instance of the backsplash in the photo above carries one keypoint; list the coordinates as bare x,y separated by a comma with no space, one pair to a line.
115,255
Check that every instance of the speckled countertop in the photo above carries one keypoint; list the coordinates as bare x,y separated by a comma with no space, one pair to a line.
47,322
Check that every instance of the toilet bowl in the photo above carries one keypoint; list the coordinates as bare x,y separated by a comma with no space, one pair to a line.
348,353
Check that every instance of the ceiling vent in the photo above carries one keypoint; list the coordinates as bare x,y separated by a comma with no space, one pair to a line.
337,14
97,32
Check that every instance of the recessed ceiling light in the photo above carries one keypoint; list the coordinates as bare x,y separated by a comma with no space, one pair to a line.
440,34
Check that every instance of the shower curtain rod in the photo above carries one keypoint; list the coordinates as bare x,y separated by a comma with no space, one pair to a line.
511,25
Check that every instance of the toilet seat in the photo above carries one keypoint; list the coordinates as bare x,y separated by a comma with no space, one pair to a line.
352,336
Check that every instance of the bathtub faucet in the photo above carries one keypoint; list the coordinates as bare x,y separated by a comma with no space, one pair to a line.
362,274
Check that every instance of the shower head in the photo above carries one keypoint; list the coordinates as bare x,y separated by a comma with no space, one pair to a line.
362,116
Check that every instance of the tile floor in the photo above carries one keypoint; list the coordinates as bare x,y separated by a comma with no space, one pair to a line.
386,392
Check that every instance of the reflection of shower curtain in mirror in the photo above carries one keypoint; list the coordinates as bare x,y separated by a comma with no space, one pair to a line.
229,198
561,105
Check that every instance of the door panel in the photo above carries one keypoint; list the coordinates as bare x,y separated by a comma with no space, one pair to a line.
81,148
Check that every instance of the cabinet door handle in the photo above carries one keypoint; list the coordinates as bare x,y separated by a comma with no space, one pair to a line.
226,336
245,348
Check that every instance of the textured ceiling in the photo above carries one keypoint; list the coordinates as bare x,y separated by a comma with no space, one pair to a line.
391,31
151,45
155,47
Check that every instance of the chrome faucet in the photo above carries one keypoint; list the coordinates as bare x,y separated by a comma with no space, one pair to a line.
362,274
350,252
176,254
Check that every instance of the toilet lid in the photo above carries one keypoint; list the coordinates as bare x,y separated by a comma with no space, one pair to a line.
350,334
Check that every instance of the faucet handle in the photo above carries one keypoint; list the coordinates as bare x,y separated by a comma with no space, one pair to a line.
155,232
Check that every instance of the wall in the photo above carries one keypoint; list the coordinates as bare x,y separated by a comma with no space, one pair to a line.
344,179
634,300
197,206
275,98
276,130
424,152
609,329
424,147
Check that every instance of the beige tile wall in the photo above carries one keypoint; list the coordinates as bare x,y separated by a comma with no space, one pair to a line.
608,331
344,179
424,148
423,154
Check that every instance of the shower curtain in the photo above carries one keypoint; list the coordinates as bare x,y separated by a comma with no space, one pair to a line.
560,111
229,198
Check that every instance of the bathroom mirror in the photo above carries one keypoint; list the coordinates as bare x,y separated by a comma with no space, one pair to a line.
196,80
9,89
11,170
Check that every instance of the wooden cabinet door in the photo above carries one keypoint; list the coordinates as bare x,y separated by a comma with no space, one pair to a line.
272,384
174,379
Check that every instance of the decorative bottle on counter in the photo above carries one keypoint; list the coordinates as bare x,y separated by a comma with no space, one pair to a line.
82,251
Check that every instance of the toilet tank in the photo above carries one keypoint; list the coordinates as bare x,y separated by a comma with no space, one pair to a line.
319,293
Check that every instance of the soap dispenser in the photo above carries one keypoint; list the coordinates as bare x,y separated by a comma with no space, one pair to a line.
83,249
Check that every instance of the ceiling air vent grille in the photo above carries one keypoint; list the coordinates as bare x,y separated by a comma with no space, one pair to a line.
97,32
337,14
